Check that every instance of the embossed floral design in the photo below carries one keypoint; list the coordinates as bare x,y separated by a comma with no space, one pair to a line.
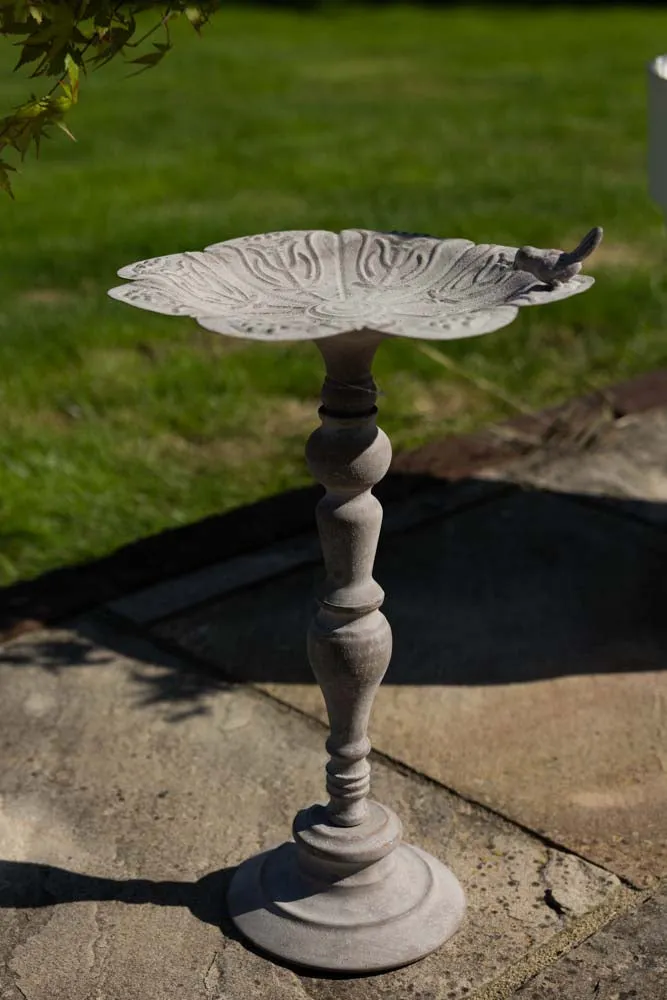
309,284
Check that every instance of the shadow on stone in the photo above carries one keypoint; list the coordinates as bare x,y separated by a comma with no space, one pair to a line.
514,586
182,684
524,586
54,654
29,885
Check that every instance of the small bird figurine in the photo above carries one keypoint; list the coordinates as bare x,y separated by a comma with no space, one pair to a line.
555,267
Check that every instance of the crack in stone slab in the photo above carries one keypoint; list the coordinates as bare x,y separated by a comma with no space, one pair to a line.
505,986
221,980
210,975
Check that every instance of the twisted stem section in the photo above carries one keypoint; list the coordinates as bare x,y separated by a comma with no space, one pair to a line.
349,641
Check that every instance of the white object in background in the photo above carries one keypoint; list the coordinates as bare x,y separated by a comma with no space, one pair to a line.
657,131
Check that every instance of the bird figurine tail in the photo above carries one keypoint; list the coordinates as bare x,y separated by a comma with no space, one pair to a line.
585,248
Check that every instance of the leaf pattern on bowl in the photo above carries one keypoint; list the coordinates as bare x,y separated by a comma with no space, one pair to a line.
310,284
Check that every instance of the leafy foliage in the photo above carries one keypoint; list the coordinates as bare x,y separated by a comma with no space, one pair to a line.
62,39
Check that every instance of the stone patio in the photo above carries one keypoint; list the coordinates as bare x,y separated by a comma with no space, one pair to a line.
151,744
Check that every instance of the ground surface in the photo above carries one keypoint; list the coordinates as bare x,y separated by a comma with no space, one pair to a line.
510,126
152,745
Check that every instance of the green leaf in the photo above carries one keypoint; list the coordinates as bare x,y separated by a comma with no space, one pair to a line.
151,58
29,55
71,87
63,128
111,42
59,38
5,183
197,17
72,68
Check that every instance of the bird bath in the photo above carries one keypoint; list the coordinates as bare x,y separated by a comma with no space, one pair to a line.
346,894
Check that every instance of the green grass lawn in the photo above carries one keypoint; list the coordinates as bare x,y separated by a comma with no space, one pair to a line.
502,126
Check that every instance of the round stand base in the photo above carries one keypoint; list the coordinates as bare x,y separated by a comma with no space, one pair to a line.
385,915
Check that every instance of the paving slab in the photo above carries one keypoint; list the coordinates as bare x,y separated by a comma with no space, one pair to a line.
623,466
624,961
132,785
528,671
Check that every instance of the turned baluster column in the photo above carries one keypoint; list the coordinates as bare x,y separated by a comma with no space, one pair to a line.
347,893
349,641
